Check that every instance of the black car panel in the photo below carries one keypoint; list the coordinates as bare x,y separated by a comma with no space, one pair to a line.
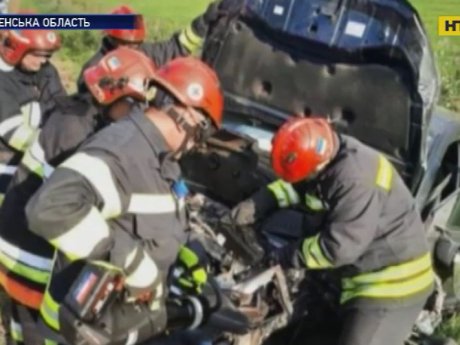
361,66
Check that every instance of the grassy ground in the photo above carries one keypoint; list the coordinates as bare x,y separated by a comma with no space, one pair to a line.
162,18
447,49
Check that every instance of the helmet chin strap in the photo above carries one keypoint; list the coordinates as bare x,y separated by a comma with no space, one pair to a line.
191,132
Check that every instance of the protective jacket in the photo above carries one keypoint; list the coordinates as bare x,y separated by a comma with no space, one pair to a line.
370,226
25,258
118,199
26,99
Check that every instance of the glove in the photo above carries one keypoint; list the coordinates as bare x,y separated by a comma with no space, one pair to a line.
289,256
251,210
213,13
230,7
243,240
189,274
244,213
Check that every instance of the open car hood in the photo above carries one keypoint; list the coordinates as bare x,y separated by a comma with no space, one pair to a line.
366,64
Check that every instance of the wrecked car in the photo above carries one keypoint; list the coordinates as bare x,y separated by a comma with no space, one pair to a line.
369,67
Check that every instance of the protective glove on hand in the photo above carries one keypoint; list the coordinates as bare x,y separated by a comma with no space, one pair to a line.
201,23
189,274
243,214
255,208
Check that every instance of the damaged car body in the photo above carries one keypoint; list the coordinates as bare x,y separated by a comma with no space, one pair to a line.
369,67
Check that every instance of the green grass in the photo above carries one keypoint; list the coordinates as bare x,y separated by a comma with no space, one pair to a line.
447,49
174,11
162,17
450,328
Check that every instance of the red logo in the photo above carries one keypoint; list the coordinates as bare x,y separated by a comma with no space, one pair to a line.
85,287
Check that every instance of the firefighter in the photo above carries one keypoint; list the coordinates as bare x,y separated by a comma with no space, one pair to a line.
120,198
25,258
370,228
29,84
187,41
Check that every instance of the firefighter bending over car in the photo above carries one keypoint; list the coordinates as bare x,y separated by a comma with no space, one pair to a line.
76,118
119,202
371,228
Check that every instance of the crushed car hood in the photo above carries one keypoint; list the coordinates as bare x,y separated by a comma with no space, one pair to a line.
366,64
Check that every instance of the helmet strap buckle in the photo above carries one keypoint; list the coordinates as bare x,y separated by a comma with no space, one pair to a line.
190,131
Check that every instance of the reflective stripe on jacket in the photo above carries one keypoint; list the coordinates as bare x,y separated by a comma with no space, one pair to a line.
26,100
25,258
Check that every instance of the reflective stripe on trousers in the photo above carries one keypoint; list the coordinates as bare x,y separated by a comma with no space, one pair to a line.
49,312
398,281
23,328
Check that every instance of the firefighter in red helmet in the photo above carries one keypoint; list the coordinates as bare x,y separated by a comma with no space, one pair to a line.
117,84
129,37
29,85
120,199
182,43
370,228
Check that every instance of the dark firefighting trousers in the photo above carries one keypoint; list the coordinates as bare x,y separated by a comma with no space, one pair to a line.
378,326
354,325
363,325
22,326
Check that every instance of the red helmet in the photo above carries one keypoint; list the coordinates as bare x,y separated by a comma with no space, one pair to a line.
136,35
122,72
300,146
194,84
18,43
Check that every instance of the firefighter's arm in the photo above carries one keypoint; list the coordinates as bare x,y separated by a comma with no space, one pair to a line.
72,210
55,88
50,87
62,135
143,278
68,210
351,226
57,140
278,194
187,41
